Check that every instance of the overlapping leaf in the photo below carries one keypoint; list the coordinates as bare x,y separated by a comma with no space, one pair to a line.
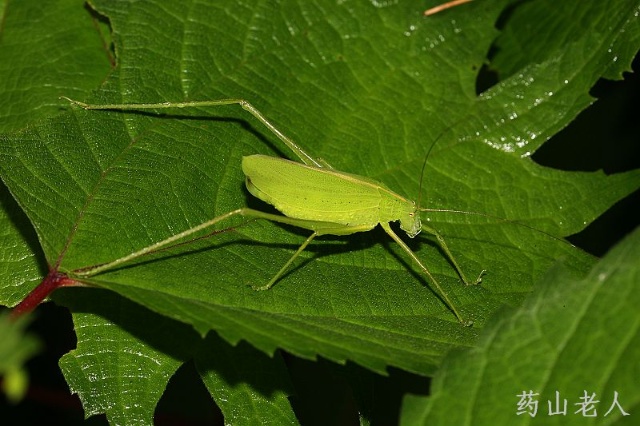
567,323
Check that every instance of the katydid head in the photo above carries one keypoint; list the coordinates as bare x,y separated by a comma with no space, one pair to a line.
410,220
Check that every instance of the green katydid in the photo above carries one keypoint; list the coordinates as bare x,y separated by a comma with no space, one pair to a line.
323,200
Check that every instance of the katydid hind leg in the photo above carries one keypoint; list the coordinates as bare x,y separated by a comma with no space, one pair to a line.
424,269
284,268
299,152
181,236
443,245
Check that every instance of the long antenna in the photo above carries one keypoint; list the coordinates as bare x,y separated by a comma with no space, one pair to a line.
490,216
500,219
426,157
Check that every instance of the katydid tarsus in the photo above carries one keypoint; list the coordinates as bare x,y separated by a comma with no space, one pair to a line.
322,200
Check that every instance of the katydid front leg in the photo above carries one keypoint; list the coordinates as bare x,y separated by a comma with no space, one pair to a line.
443,245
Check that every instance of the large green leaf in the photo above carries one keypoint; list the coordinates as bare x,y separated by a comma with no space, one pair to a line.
249,386
125,356
97,186
367,88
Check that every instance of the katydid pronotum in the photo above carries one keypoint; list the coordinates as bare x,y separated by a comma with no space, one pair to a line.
323,200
